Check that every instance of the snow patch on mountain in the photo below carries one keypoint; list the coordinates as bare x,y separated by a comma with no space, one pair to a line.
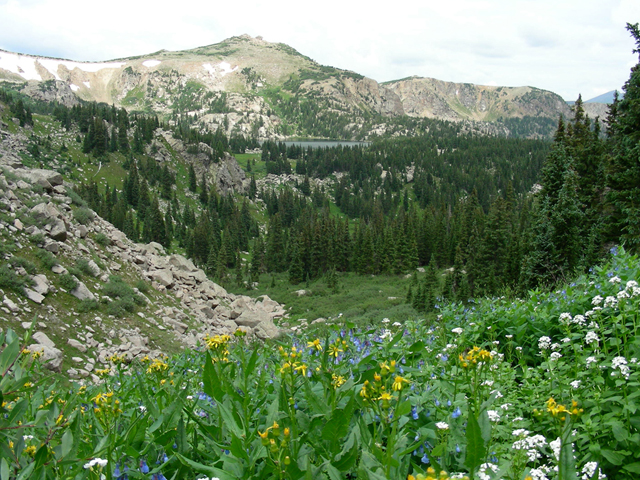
25,65
73,87
151,63
222,68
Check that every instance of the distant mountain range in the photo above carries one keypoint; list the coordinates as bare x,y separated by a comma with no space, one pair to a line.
252,87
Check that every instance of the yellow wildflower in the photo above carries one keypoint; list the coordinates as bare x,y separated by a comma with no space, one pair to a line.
398,383
315,344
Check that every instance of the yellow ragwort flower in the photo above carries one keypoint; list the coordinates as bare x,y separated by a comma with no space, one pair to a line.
398,383
315,344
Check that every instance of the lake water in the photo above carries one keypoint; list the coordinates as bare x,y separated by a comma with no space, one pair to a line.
325,143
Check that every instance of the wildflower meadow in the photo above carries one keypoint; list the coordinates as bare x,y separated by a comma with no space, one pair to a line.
543,387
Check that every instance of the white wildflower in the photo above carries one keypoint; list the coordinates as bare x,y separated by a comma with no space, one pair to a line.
632,284
538,474
597,300
615,279
494,416
555,346
622,294
457,330
509,336
555,356
590,338
635,291
487,383
579,320
396,324
565,318
385,320
555,447
589,470
620,363
575,384
96,461
544,343
590,360
565,340
497,393
442,426
610,302
482,475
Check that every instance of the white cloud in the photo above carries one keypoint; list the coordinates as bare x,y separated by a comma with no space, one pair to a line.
568,47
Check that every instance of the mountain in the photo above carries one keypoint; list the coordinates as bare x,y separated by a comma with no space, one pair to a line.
604,98
253,87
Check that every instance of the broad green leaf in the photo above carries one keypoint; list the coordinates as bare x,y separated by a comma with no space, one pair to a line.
67,443
619,431
26,473
633,467
200,468
613,457
4,469
476,450
210,381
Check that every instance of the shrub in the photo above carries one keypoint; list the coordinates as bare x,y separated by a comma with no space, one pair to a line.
117,288
84,215
37,238
76,199
142,286
10,280
88,305
121,306
16,262
83,265
67,281
75,271
102,239
47,258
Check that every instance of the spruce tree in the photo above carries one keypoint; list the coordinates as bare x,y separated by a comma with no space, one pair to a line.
623,169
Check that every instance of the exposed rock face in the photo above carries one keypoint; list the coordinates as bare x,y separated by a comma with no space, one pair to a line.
226,175
431,98
51,91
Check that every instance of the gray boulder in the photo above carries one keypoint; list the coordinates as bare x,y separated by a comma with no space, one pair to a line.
81,292
58,230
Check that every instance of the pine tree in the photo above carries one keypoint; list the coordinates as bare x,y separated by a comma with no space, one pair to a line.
204,191
623,169
193,184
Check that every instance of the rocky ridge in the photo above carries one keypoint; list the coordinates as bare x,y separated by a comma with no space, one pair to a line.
230,85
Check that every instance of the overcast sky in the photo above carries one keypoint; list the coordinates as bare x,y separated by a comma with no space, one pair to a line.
566,46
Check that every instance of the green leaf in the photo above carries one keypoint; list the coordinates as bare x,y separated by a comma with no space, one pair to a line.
613,457
228,419
26,473
476,450
4,469
402,409
200,468
210,382
338,426
619,431
67,443
485,426
633,467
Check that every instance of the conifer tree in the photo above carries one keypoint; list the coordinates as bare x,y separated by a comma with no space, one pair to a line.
193,184
623,169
